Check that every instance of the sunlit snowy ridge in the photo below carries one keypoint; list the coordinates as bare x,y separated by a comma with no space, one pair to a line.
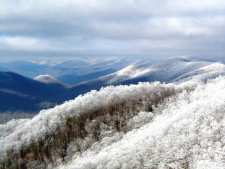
144,126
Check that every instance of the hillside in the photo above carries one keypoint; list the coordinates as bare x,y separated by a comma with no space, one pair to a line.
47,136
18,93
188,133
149,125
169,71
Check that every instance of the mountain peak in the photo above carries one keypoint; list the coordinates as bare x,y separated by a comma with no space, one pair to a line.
46,79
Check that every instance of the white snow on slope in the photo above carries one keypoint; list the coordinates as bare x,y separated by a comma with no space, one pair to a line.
48,120
204,73
170,71
46,79
188,133
133,71
11,126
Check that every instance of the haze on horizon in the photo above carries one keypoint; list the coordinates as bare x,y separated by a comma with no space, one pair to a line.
78,28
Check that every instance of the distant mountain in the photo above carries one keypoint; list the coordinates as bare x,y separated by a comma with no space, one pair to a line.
89,72
69,72
18,93
48,79
26,68
72,78
21,94
173,70
206,72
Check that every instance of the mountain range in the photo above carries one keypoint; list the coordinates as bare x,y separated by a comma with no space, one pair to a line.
178,125
19,93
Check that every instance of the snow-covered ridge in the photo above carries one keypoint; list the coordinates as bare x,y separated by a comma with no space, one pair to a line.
46,79
188,133
47,121
206,72
172,70
133,71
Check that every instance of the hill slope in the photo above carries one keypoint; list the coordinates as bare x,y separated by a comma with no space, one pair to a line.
187,134
18,93
139,126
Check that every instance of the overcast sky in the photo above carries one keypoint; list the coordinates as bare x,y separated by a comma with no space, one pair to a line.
112,28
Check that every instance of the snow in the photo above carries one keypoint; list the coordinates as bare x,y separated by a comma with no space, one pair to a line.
189,131
179,69
204,164
48,120
203,73
185,131
9,127
214,67
46,79
133,71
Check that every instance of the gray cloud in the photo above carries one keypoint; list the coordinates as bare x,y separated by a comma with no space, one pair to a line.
107,27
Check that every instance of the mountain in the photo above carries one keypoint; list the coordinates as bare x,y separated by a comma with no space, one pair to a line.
92,71
69,72
18,93
22,94
25,68
148,125
28,95
204,73
47,79
72,78
185,134
166,71
172,70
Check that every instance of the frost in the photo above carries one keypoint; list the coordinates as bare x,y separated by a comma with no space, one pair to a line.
188,133
184,130
9,127
48,121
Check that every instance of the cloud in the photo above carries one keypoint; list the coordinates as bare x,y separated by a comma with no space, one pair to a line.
23,43
91,27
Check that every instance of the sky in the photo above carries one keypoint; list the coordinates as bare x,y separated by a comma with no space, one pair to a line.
101,28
